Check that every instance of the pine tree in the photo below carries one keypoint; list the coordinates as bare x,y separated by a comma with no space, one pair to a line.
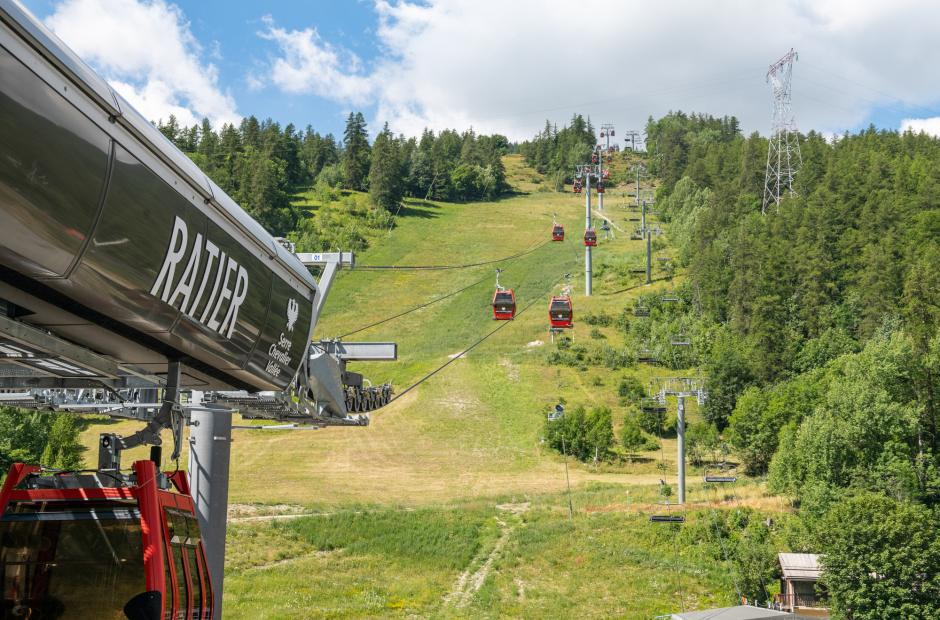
386,185
356,152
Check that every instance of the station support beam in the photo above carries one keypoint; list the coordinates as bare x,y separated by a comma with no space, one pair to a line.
210,446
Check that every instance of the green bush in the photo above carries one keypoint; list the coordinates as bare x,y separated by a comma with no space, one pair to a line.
585,435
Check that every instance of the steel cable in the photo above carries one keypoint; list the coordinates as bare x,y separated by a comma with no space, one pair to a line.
472,346
443,267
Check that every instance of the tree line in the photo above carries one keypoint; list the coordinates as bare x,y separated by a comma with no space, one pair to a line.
263,165
817,325
555,152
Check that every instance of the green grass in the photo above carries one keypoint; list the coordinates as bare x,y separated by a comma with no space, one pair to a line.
407,563
409,503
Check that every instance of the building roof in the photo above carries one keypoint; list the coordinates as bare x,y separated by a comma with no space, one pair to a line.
800,566
741,612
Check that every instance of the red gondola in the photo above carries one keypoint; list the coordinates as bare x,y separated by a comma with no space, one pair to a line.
577,187
590,237
558,232
594,158
101,545
560,313
600,187
504,304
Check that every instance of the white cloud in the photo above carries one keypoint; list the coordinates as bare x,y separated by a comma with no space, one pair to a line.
146,50
506,66
310,65
929,126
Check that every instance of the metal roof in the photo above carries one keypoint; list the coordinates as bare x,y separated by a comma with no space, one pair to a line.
741,612
800,566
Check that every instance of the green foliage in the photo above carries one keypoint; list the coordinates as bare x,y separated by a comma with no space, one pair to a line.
866,432
601,318
728,374
702,441
633,439
585,435
557,152
356,152
33,437
761,413
430,537
630,388
386,174
881,559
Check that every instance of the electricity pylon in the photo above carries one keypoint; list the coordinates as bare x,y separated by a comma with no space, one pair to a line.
783,152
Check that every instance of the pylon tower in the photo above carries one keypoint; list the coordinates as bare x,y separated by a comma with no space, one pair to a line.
783,152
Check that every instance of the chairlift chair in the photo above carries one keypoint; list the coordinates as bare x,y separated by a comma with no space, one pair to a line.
646,356
680,340
667,519
590,237
560,312
558,232
720,479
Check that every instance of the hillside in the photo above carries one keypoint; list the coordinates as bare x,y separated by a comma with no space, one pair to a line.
450,455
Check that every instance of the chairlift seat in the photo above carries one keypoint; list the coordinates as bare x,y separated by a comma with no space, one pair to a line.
667,519
721,479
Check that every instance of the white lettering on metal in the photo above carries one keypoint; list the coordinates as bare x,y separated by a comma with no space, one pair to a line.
182,296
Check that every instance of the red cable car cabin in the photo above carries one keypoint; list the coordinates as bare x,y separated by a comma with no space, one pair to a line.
560,313
590,237
600,187
93,545
504,304
558,232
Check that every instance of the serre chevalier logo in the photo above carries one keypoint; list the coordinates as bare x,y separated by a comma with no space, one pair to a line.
293,309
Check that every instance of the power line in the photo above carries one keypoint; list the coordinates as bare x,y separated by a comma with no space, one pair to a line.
443,267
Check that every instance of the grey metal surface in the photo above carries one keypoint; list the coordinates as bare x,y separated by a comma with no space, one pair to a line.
741,612
680,446
361,351
588,284
99,208
210,445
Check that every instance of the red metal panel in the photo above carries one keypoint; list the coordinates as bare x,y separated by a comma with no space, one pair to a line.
150,524
18,471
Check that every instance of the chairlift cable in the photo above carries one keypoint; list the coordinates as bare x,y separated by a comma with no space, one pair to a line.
480,341
414,309
443,267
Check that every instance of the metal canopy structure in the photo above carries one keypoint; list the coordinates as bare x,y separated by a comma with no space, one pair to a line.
131,285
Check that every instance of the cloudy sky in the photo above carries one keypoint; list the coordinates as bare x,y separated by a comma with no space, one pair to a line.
507,65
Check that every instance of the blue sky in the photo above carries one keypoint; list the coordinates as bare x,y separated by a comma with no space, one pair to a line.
507,66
